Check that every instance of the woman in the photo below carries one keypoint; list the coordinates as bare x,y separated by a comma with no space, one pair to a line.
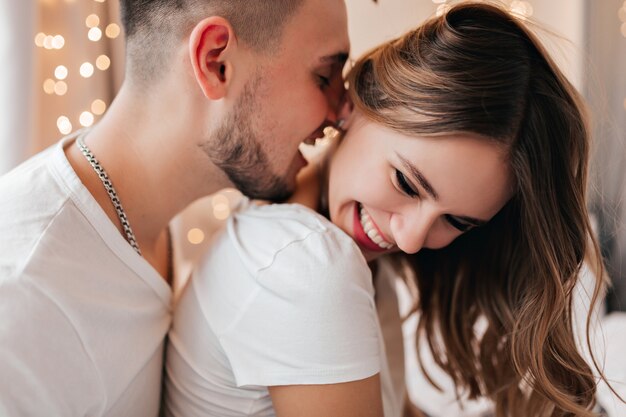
465,159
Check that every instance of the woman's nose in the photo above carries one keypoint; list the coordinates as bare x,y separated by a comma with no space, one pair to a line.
411,229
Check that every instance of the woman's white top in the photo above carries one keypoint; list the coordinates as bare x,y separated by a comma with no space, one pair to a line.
282,297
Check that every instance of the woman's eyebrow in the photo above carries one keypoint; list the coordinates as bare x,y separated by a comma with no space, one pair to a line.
417,175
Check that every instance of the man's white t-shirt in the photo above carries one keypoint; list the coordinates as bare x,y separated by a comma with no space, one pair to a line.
282,297
83,316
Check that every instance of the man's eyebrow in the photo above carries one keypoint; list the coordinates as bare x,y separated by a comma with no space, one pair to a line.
338,58
419,177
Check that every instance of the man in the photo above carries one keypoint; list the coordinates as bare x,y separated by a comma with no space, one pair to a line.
217,93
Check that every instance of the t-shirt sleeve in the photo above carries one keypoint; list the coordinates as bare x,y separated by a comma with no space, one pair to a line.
312,319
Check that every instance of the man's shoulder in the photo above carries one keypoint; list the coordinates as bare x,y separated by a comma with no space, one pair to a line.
30,186
28,168
31,199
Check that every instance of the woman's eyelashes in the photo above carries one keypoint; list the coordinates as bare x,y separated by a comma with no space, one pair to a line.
403,183
408,189
463,227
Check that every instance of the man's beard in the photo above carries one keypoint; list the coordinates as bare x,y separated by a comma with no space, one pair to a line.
235,148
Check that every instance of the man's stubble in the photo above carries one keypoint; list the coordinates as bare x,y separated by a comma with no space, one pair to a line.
236,149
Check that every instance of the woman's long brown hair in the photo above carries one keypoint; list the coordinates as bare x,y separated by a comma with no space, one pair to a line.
478,69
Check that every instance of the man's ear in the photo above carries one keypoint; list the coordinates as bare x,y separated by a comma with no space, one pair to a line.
210,44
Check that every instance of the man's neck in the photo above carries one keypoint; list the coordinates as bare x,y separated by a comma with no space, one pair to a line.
156,172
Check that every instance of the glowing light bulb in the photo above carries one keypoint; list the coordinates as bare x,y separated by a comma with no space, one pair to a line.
58,42
39,39
48,42
442,9
86,70
48,86
64,125
219,199
523,9
92,21
86,119
98,107
94,34
221,211
103,62
112,30
60,88
60,72
195,236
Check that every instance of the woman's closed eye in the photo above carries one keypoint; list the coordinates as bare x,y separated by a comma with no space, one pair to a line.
407,189
463,227
404,185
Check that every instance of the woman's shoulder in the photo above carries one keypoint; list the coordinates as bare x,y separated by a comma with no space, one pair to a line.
263,234
285,263
253,213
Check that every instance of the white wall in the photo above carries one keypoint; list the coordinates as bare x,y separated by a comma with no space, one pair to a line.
372,23
566,18
17,101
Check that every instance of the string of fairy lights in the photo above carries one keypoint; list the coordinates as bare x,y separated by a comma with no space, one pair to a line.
57,82
220,208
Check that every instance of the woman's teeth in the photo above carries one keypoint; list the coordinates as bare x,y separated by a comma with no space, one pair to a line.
370,230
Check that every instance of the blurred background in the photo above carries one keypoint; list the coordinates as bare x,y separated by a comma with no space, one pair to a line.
64,61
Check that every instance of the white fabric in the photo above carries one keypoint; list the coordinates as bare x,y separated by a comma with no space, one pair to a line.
614,340
83,316
608,339
282,297
391,325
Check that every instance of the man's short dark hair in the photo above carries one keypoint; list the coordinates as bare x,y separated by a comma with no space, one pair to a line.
153,26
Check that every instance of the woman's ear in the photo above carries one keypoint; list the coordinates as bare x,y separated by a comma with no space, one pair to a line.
211,45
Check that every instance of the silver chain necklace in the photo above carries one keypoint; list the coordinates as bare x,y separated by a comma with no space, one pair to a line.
108,186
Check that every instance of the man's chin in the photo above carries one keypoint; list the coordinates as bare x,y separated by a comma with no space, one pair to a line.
278,192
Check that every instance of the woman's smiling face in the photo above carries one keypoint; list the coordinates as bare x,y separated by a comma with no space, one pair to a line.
393,192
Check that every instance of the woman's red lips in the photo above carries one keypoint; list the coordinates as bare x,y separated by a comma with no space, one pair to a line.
360,236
